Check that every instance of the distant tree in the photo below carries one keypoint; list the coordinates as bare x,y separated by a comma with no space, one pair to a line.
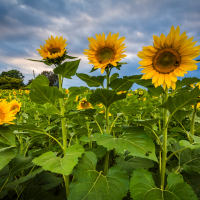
13,74
53,78
10,83
29,82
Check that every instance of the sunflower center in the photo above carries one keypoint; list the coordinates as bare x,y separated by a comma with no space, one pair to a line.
84,104
166,61
14,107
105,54
54,50
2,115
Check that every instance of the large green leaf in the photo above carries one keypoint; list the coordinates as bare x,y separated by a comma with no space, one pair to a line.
43,94
7,136
120,84
106,97
155,91
130,163
6,155
114,76
186,81
13,185
92,81
173,104
142,187
64,165
93,185
67,69
135,140
75,91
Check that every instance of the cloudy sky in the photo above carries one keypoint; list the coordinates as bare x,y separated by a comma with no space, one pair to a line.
25,24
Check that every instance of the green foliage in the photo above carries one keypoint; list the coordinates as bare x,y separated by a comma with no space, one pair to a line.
64,165
13,74
67,69
134,139
10,83
142,187
106,97
91,184
92,81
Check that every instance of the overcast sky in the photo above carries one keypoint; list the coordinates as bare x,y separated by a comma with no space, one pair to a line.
25,24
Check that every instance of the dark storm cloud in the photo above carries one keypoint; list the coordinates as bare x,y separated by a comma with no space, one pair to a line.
25,24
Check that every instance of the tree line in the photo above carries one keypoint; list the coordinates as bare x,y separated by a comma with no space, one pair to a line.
14,79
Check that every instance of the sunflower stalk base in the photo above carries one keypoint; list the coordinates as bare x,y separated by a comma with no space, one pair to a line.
164,152
64,133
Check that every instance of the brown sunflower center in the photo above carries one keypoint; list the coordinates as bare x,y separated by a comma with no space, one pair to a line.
166,61
85,104
14,107
105,54
2,115
54,50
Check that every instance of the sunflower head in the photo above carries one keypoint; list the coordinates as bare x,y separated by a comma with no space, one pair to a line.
54,50
84,104
6,116
105,51
15,106
169,57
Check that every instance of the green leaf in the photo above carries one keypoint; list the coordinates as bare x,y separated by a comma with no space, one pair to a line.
173,104
106,97
155,91
64,165
130,110
135,140
93,185
13,185
67,69
148,123
44,61
92,81
7,136
142,187
70,57
186,81
180,114
42,80
6,155
120,84
93,69
114,76
28,128
130,163
75,91
89,112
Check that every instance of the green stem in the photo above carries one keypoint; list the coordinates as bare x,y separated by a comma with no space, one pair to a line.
106,164
64,133
164,153
192,120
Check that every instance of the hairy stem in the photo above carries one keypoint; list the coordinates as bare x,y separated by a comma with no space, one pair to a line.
164,153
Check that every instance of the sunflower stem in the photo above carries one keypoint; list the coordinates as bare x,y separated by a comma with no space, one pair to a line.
106,164
192,120
164,152
64,133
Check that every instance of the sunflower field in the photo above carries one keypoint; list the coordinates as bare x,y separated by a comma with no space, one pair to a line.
107,143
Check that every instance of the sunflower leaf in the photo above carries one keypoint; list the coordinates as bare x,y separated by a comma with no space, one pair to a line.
93,185
106,97
41,93
7,136
135,140
64,165
142,186
92,81
67,69
120,84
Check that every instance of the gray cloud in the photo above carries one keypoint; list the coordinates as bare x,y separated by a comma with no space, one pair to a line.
25,24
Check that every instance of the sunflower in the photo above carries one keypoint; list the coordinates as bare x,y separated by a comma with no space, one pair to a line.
54,48
103,51
168,58
84,104
6,116
15,106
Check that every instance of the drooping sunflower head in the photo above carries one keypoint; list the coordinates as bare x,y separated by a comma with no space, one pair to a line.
15,106
6,116
84,104
54,48
104,51
169,57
